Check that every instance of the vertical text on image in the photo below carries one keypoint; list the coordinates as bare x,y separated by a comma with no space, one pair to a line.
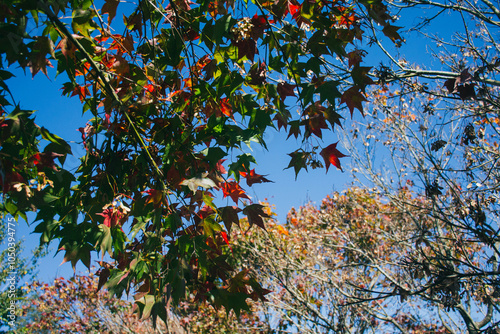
12,270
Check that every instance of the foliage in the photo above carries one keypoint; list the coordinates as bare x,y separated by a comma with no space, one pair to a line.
433,131
340,267
12,273
173,89
77,306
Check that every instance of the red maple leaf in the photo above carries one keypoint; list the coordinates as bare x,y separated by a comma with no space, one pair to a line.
353,98
226,239
257,74
281,121
355,57
68,49
46,159
285,89
226,108
314,124
233,190
81,92
112,217
331,156
259,23
253,177
246,47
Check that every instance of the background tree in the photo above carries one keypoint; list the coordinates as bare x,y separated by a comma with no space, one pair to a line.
77,306
339,268
434,133
11,278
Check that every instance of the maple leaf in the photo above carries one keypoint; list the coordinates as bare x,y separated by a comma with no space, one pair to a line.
258,74
462,85
392,32
467,91
331,156
154,196
353,98
285,89
437,145
282,230
355,57
46,159
314,124
109,7
255,213
38,61
68,49
294,129
332,117
253,177
81,91
348,19
225,107
316,119
299,160
233,190
229,215
246,47
199,181
259,24
134,22
226,239
450,85
360,76
112,217
281,120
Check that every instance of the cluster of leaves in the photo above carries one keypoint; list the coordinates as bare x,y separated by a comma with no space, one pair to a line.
171,97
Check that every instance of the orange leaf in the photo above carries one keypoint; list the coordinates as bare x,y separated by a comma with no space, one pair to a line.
282,230
226,108
81,91
253,177
233,190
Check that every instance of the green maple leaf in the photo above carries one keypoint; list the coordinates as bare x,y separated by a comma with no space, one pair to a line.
299,161
392,32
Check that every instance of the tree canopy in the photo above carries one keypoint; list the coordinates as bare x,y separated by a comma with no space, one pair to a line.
173,91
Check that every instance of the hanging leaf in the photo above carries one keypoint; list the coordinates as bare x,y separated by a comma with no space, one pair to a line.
255,214
332,156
